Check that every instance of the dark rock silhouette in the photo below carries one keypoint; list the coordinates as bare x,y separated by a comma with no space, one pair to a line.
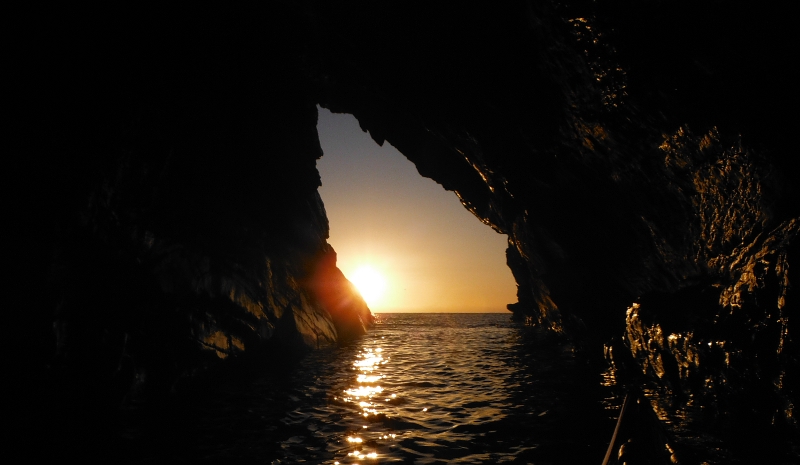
635,153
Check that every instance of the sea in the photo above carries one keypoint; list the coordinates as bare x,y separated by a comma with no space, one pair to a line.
419,388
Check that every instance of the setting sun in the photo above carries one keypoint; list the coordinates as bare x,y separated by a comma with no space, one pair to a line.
370,283
431,253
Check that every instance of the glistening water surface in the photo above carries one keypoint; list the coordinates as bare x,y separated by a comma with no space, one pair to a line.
418,388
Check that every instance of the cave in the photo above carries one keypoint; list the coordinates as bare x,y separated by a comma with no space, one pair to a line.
405,229
638,155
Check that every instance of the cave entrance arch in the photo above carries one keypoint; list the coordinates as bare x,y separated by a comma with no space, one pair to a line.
434,254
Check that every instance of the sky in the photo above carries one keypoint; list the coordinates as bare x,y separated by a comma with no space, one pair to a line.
430,252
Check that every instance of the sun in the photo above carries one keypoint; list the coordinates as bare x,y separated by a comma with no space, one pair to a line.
370,283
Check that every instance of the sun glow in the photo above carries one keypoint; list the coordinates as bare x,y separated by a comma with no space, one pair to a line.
370,283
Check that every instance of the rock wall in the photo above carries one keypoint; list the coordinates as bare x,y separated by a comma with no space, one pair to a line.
174,220
635,155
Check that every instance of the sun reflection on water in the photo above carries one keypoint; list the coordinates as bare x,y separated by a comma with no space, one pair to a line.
440,389
368,378
367,396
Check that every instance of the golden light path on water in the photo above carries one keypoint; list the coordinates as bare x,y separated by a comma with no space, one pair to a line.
362,394
422,388
436,389
392,416
394,398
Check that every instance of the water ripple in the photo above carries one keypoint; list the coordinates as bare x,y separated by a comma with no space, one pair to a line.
419,388
440,388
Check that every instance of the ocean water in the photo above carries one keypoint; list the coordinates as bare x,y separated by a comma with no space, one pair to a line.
418,388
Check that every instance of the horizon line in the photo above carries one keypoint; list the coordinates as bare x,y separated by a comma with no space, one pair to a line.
441,311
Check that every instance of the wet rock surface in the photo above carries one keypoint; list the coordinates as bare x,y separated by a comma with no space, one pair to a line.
174,225
647,207
636,155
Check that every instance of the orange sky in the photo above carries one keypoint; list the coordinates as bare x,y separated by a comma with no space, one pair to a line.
434,254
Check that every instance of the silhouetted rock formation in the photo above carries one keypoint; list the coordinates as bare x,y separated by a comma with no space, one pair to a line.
633,152
630,155
177,221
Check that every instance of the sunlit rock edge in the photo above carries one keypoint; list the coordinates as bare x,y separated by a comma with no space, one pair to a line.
174,225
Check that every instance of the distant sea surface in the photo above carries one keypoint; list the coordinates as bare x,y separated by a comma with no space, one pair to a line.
423,388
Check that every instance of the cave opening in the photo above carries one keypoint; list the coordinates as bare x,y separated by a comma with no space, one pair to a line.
432,253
